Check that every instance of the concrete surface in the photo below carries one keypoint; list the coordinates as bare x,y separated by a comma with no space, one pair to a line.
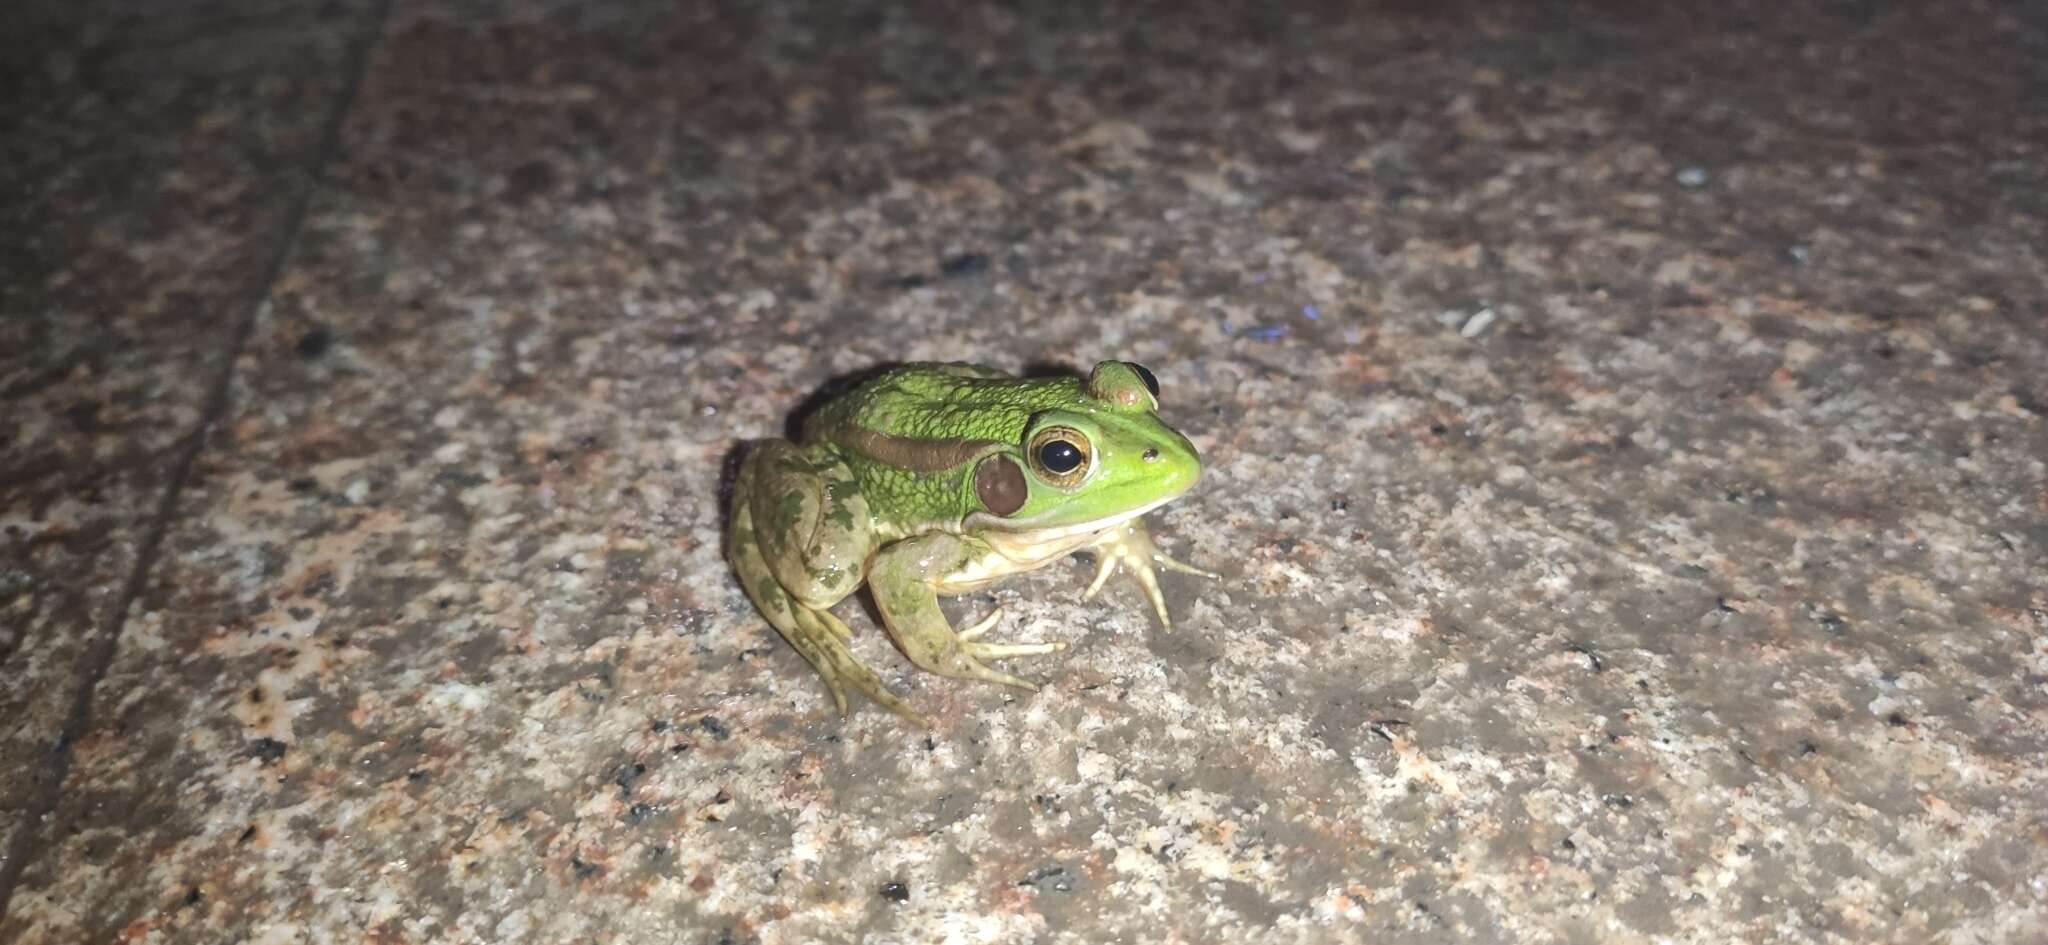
1625,437
152,163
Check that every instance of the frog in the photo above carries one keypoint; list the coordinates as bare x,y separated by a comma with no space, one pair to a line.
938,479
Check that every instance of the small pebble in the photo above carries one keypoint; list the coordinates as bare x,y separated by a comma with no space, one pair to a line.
965,264
314,343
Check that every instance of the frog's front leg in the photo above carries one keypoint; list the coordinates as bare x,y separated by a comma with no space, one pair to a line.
1129,545
903,577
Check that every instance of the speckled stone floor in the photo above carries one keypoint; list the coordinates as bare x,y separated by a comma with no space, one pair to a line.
1625,439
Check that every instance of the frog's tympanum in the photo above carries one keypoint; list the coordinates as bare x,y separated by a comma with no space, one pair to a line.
937,479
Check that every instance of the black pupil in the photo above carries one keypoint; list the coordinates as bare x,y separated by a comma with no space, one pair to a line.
1151,383
1059,456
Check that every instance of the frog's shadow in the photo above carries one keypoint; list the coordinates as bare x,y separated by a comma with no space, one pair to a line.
792,429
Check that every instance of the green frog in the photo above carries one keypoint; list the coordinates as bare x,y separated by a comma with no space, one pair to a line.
937,479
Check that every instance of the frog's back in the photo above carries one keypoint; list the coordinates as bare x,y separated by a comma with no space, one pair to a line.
932,402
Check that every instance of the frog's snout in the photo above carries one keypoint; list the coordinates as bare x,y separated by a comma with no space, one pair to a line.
1174,469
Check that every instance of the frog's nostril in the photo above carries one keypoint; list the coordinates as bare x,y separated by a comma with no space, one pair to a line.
1152,454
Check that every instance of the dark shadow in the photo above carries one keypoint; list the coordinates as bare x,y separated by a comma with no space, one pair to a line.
728,474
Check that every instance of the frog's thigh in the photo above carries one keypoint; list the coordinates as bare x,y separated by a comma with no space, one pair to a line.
810,520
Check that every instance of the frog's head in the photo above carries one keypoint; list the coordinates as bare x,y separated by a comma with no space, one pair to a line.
1083,465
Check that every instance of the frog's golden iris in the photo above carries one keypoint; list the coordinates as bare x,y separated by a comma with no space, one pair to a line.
1060,455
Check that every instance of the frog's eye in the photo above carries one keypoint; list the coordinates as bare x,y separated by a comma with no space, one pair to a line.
1145,374
1060,455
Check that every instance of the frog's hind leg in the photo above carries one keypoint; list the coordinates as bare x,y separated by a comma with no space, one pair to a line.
813,631
814,528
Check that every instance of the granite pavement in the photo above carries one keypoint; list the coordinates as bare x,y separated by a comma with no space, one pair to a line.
1624,437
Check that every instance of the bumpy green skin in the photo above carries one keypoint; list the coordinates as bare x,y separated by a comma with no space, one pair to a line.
926,480
941,404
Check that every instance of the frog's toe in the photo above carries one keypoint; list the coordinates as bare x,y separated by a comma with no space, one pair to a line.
970,641
1003,651
1171,563
967,666
833,624
902,710
983,625
870,685
1104,567
1149,580
838,694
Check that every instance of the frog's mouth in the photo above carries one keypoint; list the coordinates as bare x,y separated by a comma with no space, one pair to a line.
1052,533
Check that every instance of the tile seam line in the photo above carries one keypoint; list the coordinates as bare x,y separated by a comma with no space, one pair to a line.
41,829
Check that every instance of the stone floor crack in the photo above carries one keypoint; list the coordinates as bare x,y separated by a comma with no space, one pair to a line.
44,827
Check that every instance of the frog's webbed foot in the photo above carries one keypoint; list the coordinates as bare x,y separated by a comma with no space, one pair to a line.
972,646
1130,546
961,656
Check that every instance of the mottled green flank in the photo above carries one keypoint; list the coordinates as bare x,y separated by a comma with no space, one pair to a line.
887,486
